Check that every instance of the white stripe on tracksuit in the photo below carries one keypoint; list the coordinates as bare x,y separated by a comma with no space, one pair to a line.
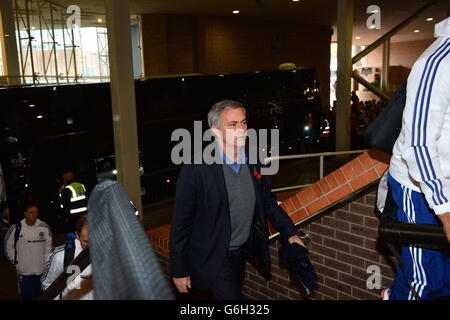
420,123
419,275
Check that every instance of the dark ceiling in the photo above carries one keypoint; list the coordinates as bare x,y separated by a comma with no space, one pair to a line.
322,12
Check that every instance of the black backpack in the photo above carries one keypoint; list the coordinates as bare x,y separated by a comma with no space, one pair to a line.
16,238
385,129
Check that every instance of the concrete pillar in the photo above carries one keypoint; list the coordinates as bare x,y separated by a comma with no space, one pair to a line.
123,98
385,66
10,56
344,74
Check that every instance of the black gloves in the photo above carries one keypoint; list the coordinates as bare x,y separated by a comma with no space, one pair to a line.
301,268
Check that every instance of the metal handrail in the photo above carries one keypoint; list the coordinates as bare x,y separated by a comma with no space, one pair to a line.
321,156
313,155
291,188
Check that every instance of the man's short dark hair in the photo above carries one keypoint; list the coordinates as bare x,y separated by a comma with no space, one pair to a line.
61,172
29,204
80,223
68,170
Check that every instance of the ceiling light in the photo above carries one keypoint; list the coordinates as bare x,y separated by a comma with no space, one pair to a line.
295,0
430,19
39,117
32,105
33,28
99,20
236,11
357,38
416,31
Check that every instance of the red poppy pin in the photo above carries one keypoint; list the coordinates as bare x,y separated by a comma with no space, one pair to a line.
256,174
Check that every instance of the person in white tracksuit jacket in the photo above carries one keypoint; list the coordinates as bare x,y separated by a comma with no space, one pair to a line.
31,251
80,288
419,172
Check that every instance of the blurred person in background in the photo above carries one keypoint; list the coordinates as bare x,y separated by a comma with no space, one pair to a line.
28,245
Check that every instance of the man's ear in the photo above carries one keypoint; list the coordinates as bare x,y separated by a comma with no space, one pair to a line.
216,131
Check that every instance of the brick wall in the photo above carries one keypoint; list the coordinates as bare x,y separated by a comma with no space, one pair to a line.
344,242
175,44
154,42
343,245
168,42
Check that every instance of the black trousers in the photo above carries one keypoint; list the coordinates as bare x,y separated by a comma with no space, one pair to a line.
228,285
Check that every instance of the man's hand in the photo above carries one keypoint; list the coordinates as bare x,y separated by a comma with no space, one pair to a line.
296,239
182,284
445,219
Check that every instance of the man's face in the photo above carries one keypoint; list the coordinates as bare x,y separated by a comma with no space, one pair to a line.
233,127
31,215
83,236
67,177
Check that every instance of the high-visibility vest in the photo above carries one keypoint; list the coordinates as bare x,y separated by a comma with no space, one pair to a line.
78,200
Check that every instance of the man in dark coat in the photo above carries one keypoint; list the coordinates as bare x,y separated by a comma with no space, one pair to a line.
220,213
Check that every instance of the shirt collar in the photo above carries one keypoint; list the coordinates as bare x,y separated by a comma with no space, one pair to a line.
242,157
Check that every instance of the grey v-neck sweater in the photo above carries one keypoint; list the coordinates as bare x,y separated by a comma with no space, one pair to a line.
241,201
